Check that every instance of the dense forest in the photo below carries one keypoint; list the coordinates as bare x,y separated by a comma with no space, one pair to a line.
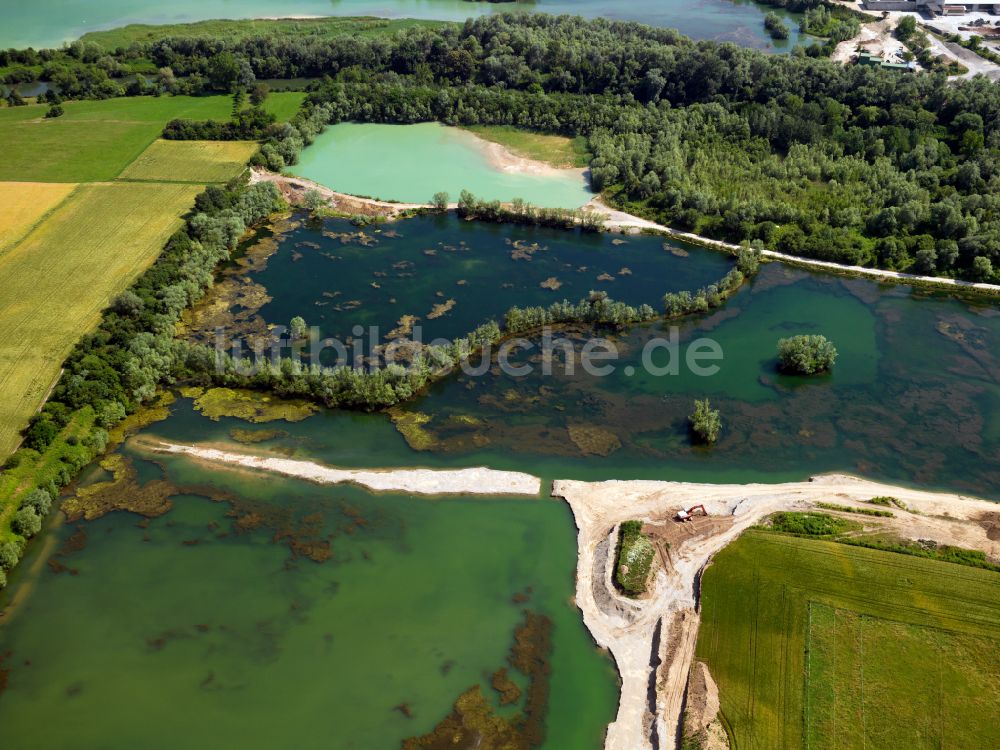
852,164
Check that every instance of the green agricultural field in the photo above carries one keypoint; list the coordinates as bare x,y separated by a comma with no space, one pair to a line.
875,683
236,30
819,645
190,161
57,280
96,140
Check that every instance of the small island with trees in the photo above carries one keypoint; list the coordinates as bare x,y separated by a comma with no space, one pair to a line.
705,423
806,355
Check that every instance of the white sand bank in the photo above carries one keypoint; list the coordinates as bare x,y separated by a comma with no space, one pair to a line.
474,481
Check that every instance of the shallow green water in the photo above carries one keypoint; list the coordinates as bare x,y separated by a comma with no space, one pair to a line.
410,163
337,279
914,397
188,634
51,22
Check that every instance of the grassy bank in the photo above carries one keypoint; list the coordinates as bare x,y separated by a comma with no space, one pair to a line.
635,558
238,30
896,651
555,150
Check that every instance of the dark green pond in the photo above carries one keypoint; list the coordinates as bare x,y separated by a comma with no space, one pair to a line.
336,276
914,396
190,632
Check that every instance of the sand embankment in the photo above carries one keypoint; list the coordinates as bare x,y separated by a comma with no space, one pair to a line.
473,481
653,639
294,190
619,221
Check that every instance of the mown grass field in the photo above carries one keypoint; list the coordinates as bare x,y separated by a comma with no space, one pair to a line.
236,30
190,161
820,645
96,140
556,150
24,204
59,278
873,682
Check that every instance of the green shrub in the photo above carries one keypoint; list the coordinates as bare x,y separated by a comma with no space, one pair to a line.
26,522
705,422
9,555
634,559
810,524
39,500
852,509
888,501
806,355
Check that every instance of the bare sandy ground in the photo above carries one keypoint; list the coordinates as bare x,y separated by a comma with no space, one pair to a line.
629,627
475,481
294,190
874,37
504,160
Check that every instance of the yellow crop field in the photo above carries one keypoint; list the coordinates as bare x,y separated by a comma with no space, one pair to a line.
24,204
58,279
190,161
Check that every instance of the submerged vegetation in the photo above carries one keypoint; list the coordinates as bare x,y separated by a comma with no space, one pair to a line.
475,723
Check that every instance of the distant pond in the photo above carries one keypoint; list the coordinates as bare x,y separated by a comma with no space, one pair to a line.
48,23
410,163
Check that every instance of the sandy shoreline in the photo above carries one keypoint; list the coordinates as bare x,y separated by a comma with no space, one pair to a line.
669,616
504,160
473,481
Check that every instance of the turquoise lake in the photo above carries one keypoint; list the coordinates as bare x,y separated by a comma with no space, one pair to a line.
47,23
410,163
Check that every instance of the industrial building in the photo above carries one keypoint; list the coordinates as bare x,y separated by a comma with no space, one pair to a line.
934,7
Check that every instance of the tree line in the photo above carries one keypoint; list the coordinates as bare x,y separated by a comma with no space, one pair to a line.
853,164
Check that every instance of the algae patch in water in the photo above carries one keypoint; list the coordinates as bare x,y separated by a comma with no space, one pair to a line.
551,283
475,723
155,411
440,309
410,425
251,406
510,693
249,437
123,492
593,440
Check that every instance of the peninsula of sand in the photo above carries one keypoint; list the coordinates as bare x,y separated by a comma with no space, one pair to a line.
653,639
472,481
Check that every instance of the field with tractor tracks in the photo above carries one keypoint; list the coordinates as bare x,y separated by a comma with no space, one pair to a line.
59,278
821,645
